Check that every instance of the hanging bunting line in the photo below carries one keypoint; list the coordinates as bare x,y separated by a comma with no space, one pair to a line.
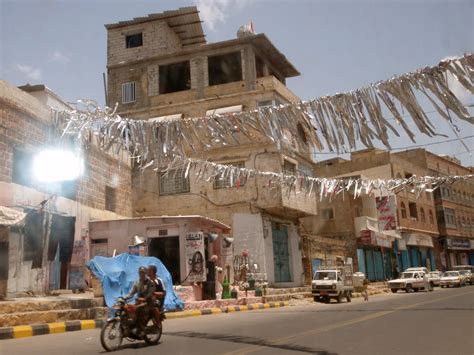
324,187
334,122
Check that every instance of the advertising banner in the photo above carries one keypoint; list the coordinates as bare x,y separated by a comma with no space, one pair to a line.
195,257
386,213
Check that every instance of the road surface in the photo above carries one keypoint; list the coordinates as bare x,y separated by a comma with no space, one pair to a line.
439,322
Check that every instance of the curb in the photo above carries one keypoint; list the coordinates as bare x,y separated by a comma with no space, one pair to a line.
23,331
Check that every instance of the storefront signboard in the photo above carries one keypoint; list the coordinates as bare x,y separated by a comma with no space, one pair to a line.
140,250
458,244
195,263
386,213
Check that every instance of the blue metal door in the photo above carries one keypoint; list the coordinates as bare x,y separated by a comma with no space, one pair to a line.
414,257
405,260
369,257
281,255
361,261
316,264
378,265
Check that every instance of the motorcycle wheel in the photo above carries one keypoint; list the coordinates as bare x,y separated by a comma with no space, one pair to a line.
111,335
153,332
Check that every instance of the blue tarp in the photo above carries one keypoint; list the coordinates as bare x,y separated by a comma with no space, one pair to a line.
118,274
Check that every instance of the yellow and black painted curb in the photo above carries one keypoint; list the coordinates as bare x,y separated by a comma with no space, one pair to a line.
23,331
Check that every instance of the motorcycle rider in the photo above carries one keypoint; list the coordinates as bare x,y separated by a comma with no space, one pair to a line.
145,289
160,292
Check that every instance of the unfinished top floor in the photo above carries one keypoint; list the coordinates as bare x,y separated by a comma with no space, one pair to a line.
163,60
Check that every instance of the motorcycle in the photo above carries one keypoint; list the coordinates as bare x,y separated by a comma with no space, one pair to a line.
124,325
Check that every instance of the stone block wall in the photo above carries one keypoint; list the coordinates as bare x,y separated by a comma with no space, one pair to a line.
158,39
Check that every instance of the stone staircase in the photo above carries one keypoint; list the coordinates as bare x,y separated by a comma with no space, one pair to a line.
287,294
27,311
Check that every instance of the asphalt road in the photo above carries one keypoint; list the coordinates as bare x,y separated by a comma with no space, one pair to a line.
439,322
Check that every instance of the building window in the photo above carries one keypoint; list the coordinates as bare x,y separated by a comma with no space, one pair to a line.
289,168
135,40
403,210
463,223
413,211
174,77
22,167
464,196
422,215
173,182
110,198
225,182
225,68
128,92
431,217
455,195
327,213
450,217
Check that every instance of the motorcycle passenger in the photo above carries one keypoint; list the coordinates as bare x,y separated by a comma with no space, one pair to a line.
144,288
160,291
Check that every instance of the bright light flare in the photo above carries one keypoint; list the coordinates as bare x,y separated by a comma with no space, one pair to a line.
57,165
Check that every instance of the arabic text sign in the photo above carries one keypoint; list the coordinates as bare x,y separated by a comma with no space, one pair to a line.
195,257
386,213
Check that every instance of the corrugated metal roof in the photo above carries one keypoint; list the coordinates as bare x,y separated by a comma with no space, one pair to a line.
185,21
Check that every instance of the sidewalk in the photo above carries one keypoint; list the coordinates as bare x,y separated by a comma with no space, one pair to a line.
23,331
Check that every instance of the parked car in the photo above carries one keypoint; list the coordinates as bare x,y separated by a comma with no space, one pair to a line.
411,281
434,277
467,276
451,278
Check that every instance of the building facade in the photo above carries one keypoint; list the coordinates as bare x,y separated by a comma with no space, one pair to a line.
383,233
454,209
57,213
160,67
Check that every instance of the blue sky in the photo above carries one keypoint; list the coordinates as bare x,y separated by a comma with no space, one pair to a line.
336,45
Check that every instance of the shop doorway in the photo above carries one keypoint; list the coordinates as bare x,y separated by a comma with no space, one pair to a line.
167,250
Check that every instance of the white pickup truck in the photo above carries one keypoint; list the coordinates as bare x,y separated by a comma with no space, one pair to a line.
411,281
332,282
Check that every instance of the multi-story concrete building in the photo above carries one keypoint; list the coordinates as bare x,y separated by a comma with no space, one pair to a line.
57,213
161,67
454,208
378,249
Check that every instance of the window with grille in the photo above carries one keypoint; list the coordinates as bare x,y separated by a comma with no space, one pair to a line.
128,92
289,168
226,181
110,198
173,182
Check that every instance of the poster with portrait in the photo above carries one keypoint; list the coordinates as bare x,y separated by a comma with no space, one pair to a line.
195,257
386,213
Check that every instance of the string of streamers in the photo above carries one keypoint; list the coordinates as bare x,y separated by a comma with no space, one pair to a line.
323,187
333,122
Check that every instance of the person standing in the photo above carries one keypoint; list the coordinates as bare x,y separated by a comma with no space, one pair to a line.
365,291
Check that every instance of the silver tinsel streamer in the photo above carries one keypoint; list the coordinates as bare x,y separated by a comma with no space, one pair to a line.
335,122
323,187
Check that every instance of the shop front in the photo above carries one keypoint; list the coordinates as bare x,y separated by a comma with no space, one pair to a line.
458,251
374,255
416,250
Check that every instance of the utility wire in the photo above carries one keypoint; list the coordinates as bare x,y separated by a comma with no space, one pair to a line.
403,148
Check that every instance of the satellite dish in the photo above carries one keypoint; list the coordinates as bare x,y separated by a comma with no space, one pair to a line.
137,240
228,241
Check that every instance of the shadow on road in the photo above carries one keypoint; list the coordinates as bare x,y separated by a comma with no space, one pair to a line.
250,341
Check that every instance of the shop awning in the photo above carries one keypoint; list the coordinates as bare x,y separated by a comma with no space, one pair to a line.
10,217
418,239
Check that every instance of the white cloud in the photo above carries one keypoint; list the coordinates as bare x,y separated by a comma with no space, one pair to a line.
58,56
29,71
214,12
